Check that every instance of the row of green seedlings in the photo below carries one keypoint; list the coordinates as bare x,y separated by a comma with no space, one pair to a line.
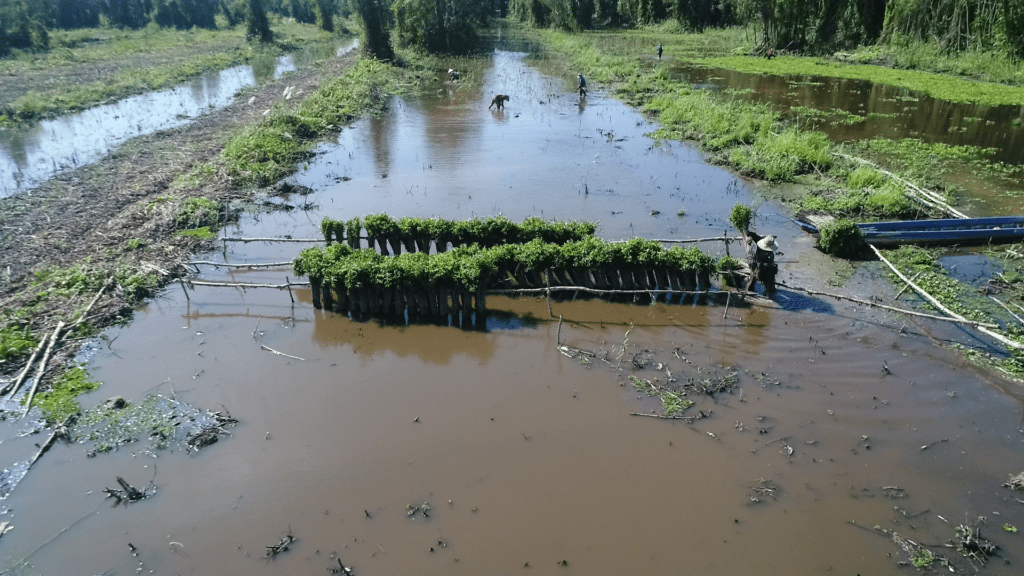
416,234
367,283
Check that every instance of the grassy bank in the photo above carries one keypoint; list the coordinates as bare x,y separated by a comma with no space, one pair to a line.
93,66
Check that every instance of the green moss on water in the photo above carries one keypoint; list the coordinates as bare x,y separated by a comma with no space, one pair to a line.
61,399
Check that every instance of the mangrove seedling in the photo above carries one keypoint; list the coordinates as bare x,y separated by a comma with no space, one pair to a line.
741,216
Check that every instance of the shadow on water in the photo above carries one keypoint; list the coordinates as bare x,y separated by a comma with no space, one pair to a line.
31,155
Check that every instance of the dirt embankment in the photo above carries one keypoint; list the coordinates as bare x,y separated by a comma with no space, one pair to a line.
90,217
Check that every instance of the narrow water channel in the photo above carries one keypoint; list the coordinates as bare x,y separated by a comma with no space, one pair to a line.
30,156
529,461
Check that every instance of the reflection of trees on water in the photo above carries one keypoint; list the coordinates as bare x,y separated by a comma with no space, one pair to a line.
263,68
382,131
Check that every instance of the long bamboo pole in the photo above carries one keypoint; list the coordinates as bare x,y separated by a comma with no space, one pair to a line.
937,304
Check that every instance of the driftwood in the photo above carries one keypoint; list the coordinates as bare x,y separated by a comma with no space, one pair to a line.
282,546
58,432
981,328
127,492
893,308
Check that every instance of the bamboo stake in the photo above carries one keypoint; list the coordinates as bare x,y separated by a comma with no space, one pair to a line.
599,291
269,349
892,308
42,367
726,239
1007,308
13,389
244,285
223,265
246,240
981,328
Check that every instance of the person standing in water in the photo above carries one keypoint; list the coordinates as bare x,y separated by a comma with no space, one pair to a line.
659,51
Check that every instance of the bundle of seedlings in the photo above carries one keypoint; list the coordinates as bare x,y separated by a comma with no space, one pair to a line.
413,234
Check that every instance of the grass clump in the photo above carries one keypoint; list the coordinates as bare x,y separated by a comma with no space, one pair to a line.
198,212
61,399
841,238
15,342
201,233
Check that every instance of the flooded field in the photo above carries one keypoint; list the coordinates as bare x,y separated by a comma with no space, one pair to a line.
29,156
851,110
432,450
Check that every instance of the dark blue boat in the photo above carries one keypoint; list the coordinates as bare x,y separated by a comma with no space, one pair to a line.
943,231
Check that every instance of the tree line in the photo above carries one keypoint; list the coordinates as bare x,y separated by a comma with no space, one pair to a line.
450,26
25,24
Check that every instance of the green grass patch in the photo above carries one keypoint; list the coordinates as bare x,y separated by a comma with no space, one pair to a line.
943,87
199,212
166,58
906,53
269,151
61,399
15,342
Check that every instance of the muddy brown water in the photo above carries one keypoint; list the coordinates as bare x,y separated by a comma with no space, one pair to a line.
530,460
31,155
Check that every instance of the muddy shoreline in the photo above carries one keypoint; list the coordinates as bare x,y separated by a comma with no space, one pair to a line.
85,216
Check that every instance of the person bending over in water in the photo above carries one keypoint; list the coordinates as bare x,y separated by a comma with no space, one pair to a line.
499,100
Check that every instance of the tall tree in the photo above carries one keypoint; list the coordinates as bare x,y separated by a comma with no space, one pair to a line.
376,17
440,26
257,25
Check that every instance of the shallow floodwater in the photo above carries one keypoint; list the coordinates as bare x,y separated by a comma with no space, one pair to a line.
528,459
30,156
850,110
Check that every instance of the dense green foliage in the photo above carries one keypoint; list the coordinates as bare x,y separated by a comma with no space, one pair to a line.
377,24
486,232
471,267
440,26
26,24
15,342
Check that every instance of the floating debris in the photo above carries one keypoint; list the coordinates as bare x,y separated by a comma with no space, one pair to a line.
282,546
128,492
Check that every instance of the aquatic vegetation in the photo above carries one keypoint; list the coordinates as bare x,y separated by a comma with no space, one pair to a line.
60,400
